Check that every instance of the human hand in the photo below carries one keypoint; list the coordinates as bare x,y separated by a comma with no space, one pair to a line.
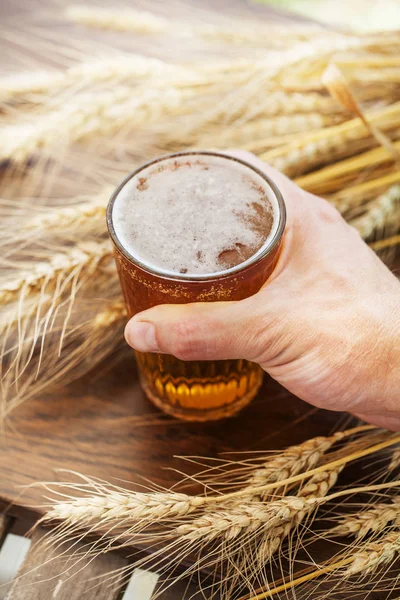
326,324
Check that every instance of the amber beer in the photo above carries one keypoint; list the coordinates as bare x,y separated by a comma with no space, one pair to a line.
195,227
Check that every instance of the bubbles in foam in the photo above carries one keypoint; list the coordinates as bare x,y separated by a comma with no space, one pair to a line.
194,215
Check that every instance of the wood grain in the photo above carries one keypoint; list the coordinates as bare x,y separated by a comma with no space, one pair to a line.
103,426
61,578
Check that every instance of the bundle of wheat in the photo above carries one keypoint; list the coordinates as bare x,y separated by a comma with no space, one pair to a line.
237,533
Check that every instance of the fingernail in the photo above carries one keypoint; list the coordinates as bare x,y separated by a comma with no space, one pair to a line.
141,336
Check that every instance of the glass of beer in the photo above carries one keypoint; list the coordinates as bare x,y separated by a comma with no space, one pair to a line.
195,227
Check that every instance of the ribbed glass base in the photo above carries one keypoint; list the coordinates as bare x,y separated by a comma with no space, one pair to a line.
198,390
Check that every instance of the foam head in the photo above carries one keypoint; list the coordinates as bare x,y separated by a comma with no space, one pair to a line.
195,215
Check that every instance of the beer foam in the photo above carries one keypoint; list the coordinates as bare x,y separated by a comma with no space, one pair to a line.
195,215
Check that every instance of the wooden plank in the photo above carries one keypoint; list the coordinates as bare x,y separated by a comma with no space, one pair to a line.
51,573
4,526
104,427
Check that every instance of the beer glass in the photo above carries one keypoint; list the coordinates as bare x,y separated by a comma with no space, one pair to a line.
196,390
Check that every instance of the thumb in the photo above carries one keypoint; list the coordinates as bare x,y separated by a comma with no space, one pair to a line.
201,331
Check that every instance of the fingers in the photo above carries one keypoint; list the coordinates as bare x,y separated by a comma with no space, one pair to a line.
202,331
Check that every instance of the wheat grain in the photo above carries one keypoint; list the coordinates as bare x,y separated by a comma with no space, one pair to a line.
374,520
380,214
375,554
278,103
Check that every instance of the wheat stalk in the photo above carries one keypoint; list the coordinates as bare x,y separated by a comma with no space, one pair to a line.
374,519
317,487
86,212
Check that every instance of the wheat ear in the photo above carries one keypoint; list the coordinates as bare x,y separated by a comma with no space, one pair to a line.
293,460
395,460
331,143
374,519
266,128
375,554
317,487
148,23
380,214
88,115
81,258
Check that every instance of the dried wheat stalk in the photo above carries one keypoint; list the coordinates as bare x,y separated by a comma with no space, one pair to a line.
220,530
87,212
374,519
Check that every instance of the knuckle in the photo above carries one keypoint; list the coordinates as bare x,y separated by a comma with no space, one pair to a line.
327,212
187,340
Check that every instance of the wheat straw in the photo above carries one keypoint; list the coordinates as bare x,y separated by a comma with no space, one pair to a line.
317,487
130,67
86,346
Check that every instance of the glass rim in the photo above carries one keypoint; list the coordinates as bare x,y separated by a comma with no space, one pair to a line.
261,253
